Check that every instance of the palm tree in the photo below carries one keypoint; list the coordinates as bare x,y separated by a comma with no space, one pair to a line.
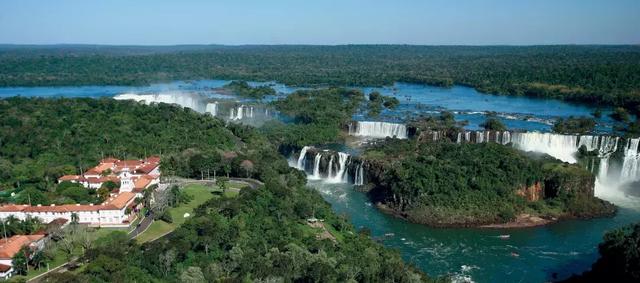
74,218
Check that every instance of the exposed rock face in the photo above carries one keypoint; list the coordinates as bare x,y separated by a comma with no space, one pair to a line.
564,178
531,193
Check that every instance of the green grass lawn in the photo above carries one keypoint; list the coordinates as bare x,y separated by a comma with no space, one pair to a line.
59,257
199,193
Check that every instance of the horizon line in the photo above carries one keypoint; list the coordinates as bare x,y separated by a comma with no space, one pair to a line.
306,44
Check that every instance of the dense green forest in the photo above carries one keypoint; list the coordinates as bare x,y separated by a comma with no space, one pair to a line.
261,235
595,74
243,89
43,139
318,116
574,125
449,184
619,258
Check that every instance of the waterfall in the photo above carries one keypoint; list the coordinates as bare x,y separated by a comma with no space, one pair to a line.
316,166
188,100
345,175
301,159
610,178
459,138
212,108
562,147
506,137
359,176
336,171
479,137
630,162
239,113
342,166
379,130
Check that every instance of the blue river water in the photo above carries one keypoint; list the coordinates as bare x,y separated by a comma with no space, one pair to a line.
543,253
466,103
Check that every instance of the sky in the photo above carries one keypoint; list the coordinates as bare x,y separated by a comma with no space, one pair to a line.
236,22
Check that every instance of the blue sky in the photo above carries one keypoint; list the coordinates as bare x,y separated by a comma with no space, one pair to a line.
467,22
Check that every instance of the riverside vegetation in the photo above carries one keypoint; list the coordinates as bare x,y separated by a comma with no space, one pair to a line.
603,75
620,258
259,235
448,184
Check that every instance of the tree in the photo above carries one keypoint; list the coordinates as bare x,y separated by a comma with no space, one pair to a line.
103,193
493,124
75,219
32,196
166,259
21,261
247,166
192,274
38,259
222,184
86,239
166,217
110,185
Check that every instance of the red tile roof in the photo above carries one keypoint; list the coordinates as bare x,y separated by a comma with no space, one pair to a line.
4,268
69,178
13,208
63,208
147,168
120,201
102,180
109,160
141,183
153,159
10,247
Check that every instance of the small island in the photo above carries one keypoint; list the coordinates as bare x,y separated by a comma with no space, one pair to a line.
443,183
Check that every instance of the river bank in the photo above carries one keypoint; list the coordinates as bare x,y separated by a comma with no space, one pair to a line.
523,220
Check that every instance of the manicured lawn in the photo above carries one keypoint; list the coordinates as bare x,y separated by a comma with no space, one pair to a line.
199,193
156,229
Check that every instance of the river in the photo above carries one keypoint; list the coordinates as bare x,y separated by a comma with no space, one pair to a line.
479,255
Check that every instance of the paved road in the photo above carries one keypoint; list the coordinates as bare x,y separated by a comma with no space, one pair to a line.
142,226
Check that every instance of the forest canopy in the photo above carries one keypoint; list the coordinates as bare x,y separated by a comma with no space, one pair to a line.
605,75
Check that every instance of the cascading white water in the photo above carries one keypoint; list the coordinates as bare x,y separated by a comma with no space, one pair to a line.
302,158
479,137
345,175
563,147
630,163
330,168
609,182
340,175
609,177
212,108
358,180
342,166
379,130
188,100
506,137
316,167
239,112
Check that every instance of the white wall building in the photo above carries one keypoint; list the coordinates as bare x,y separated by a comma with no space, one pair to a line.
113,212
